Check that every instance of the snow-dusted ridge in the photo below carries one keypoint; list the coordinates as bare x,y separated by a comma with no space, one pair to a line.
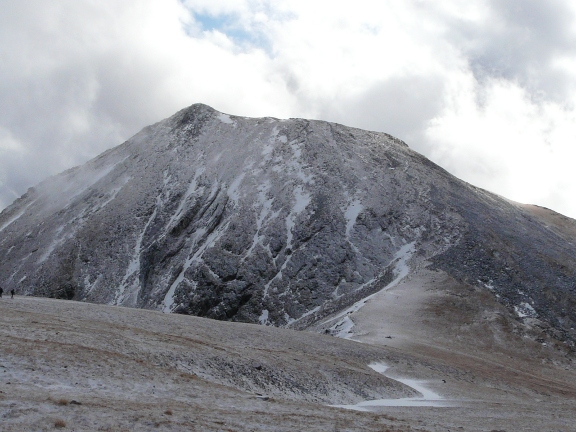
228,217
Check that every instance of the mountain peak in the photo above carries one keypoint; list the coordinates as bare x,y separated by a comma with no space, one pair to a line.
278,222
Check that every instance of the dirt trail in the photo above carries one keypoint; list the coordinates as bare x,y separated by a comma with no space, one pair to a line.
469,349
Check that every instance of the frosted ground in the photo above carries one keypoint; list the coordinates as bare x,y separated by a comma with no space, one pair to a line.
96,367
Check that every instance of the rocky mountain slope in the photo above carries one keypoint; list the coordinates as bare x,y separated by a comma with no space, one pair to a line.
281,222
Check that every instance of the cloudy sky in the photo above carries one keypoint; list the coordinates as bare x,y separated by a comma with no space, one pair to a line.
486,89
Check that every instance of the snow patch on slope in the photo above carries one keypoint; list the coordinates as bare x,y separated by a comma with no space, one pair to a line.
525,310
351,214
344,324
192,188
428,397
225,118
302,200
263,319
295,165
233,190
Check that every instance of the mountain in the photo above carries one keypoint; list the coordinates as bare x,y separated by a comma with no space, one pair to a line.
281,222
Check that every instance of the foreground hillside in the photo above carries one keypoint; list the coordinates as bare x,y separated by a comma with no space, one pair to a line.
92,367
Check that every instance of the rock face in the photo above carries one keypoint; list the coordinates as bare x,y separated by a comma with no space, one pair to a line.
276,221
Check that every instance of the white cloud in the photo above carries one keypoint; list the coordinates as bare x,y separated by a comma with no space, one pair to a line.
484,88
507,144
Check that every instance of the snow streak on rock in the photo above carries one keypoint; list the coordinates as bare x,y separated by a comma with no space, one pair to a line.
130,279
281,222
184,202
351,214
302,199
343,323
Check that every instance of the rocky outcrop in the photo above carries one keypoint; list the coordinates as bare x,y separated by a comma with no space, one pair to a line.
274,221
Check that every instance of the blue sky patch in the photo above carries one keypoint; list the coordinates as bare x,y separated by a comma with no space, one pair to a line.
227,24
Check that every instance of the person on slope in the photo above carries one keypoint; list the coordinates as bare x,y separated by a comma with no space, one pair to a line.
12,292
1,291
